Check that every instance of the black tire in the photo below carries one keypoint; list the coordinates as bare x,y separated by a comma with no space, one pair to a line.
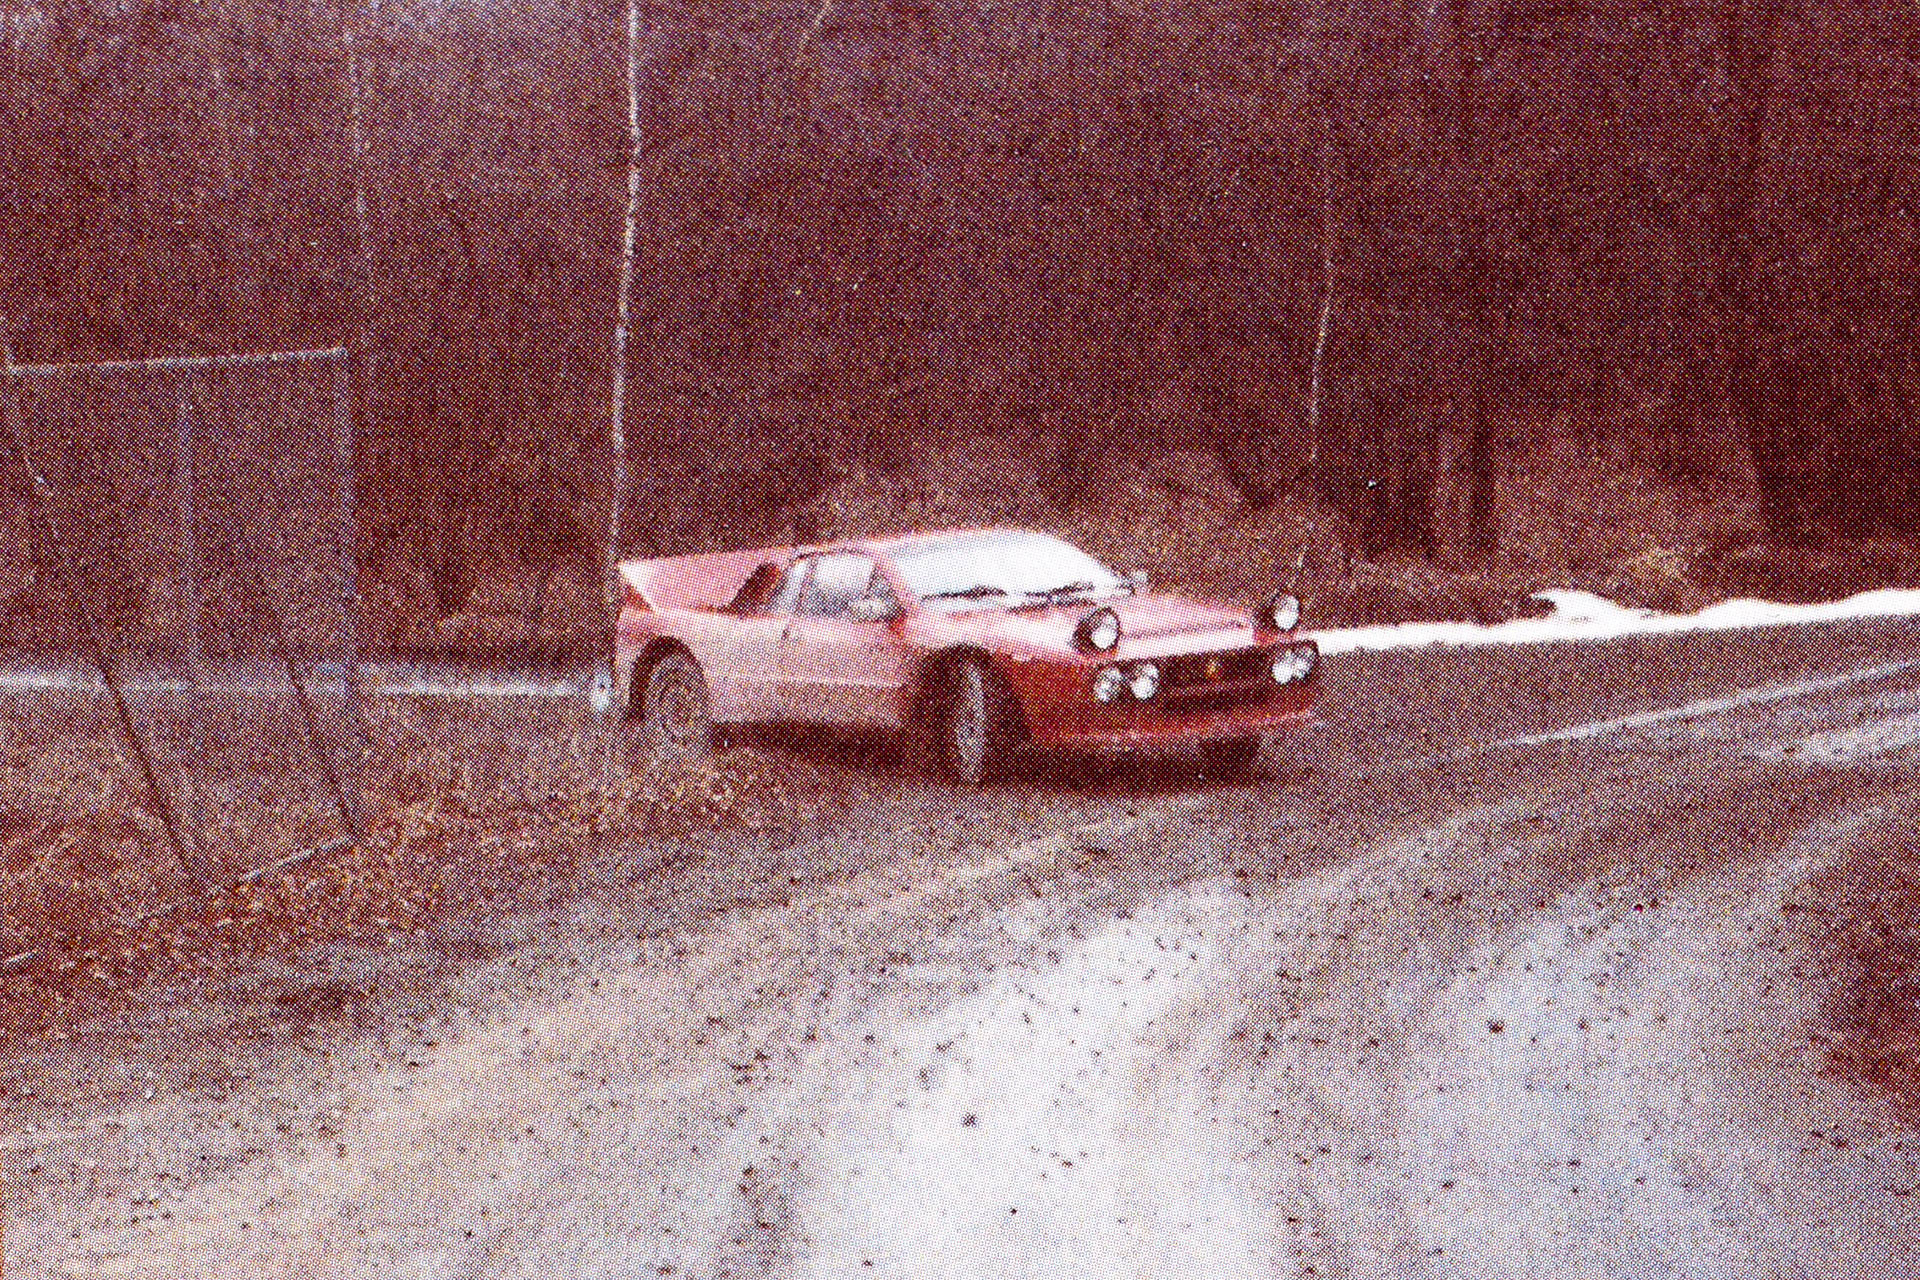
676,722
972,726
1234,760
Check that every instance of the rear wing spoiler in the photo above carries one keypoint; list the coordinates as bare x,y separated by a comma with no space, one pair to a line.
694,582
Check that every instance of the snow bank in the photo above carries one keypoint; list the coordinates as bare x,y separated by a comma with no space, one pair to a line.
1578,615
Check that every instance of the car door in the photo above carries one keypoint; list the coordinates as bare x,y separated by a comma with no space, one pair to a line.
743,655
836,668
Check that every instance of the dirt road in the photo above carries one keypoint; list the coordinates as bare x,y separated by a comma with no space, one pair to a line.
1515,967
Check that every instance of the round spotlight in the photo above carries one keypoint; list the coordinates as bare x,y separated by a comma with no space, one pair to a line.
1145,681
1098,632
1108,683
1281,612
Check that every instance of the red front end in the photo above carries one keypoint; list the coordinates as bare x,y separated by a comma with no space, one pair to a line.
1208,696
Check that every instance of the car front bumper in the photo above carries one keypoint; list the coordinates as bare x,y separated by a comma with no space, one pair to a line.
1059,712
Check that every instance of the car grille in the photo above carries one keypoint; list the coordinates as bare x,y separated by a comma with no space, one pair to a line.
1215,681
1202,670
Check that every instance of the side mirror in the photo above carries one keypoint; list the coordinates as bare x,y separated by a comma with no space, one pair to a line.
873,609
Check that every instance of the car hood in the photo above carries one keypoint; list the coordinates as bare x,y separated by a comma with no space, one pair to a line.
1144,620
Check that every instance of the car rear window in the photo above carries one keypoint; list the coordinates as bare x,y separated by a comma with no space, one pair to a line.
754,592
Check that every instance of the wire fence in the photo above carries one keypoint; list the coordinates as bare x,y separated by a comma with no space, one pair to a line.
181,531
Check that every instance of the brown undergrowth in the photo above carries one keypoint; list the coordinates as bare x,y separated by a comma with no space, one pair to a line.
469,807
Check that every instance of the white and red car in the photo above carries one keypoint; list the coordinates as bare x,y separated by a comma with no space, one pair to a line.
971,643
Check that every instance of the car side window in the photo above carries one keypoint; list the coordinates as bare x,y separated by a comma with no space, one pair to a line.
838,580
787,594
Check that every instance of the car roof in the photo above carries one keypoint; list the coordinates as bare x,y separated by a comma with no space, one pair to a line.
906,541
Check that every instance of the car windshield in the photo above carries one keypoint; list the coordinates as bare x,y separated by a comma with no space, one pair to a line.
991,568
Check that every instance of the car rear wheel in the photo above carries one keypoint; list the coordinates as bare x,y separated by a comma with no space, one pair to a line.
1235,760
973,723
676,725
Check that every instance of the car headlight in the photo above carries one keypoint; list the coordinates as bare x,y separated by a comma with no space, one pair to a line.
1145,681
1098,632
1107,684
1280,611
1294,664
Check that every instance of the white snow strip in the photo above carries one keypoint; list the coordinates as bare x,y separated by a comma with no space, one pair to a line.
498,688
375,682
1579,616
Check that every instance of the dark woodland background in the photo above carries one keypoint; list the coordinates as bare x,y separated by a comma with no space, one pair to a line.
1628,246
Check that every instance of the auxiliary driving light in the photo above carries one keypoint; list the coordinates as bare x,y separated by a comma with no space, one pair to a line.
1108,684
1294,664
1145,681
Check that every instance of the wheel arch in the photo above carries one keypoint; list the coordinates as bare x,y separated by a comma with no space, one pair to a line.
926,686
643,663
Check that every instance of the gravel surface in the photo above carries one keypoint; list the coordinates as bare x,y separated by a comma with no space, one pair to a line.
1523,962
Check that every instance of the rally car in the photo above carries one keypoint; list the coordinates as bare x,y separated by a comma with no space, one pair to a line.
969,644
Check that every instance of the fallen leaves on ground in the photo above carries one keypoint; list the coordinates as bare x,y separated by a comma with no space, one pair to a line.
468,807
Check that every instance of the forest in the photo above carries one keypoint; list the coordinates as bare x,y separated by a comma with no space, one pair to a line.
1383,263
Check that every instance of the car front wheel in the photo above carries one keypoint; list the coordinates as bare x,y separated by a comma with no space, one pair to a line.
676,726
973,724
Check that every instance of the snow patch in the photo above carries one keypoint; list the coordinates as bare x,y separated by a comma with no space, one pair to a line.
1884,736
377,679
1581,616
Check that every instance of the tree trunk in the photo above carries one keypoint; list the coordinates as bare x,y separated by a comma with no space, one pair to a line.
1460,83
1483,531
1748,32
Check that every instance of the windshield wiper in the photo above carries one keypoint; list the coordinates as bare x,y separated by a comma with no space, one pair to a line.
980,592
1054,595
